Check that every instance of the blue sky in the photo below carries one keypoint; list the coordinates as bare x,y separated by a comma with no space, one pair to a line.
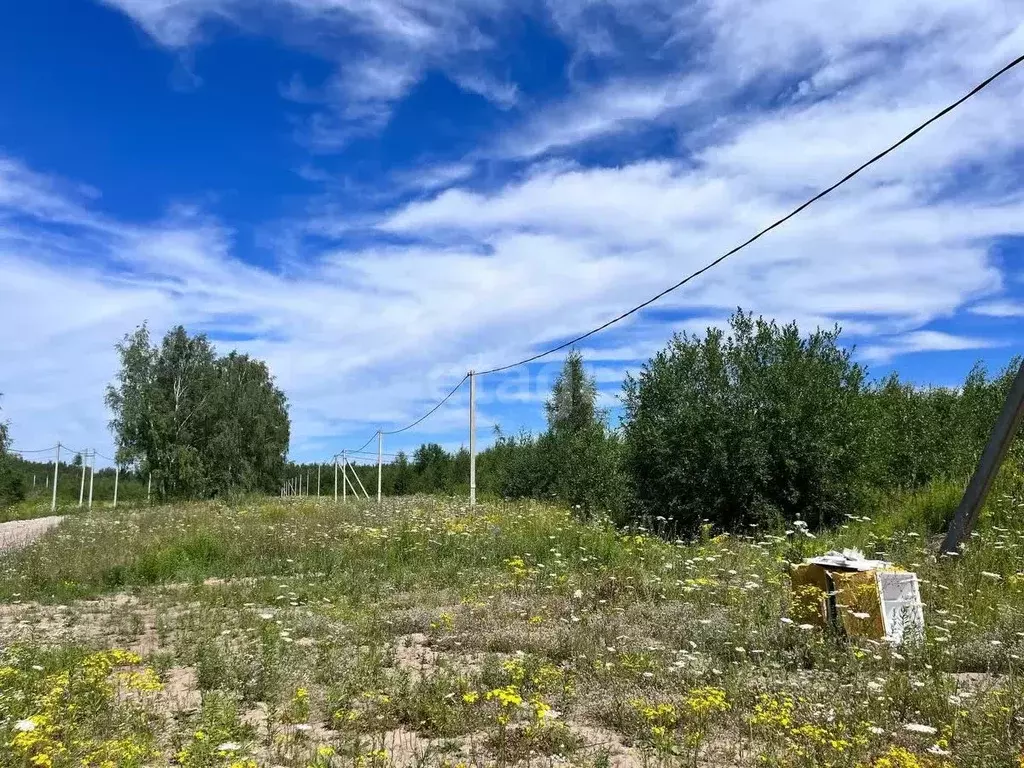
378,195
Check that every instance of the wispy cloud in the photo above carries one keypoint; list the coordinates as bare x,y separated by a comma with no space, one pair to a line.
761,103
1001,308
924,341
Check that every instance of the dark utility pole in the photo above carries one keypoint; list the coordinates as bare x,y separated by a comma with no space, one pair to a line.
988,467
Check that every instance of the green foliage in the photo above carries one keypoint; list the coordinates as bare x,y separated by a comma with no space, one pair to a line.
750,427
921,434
202,425
12,486
581,454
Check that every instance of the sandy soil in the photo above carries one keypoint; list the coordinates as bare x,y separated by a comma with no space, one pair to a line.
20,533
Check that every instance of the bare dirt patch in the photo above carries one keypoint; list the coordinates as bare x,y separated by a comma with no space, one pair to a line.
20,533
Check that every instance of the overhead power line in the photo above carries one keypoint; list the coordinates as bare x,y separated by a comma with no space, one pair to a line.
430,412
937,116
710,265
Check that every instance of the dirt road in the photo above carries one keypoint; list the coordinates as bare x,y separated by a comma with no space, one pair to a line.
20,533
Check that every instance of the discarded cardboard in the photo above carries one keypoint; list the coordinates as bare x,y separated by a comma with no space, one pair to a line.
861,597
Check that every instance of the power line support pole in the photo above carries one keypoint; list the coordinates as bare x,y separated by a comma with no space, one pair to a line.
56,466
344,478
988,466
149,488
81,485
92,476
307,482
380,461
335,479
356,475
318,481
472,439
117,477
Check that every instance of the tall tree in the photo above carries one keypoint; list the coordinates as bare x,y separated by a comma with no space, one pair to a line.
581,453
201,425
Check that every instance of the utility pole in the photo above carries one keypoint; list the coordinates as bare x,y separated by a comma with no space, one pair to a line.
81,485
56,466
318,481
149,488
307,482
117,476
344,478
380,461
472,439
92,476
361,486
988,466
335,479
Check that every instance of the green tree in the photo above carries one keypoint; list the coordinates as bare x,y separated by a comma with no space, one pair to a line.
12,486
202,425
581,453
757,426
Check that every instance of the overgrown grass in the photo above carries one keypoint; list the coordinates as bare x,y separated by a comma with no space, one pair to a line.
305,633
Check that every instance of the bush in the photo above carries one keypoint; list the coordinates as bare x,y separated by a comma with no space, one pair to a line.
12,484
747,428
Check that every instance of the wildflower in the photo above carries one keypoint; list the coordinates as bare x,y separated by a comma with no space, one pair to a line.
229,746
24,726
578,594
990,575
935,749
919,728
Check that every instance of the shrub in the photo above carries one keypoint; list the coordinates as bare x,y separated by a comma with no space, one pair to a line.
749,427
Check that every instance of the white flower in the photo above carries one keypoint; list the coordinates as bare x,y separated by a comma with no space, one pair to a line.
266,616
229,746
578,594
806,626
859,615
876,730
786,620
303,727
990,575
24,725
919,728
935,749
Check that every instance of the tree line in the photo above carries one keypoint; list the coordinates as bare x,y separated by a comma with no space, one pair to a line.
756,424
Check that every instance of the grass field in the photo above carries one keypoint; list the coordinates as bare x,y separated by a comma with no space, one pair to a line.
304,633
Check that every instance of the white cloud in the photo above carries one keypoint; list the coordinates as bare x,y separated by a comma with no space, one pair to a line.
1000,308
361,337
923,341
